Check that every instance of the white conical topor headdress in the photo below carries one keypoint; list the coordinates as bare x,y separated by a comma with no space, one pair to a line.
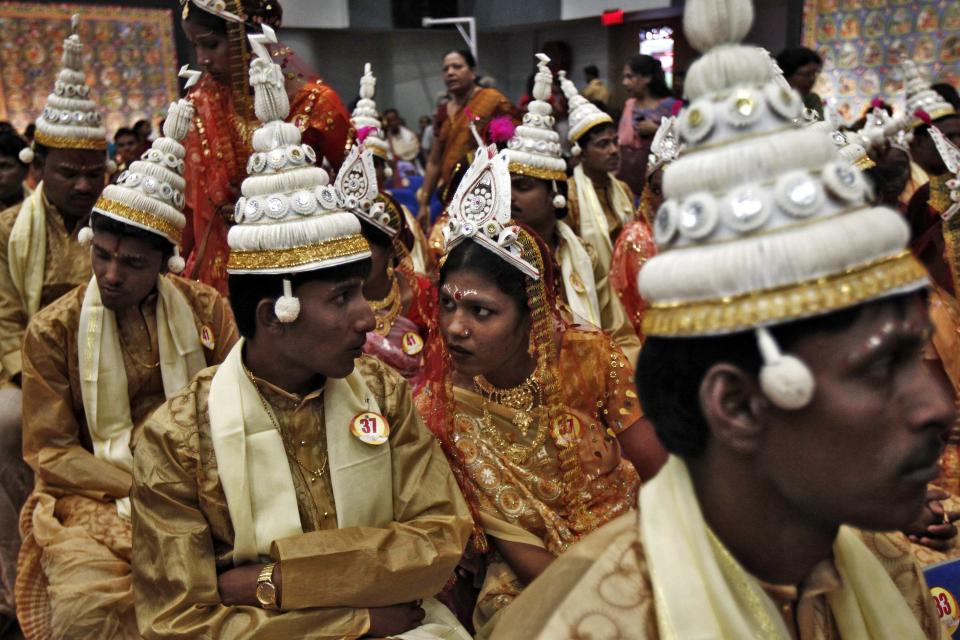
366,116
149,195
882,128
480,211
584,115
534,149
71,120
920,97
290,219
764,222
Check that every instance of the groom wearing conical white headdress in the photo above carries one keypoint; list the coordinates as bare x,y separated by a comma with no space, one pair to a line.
40,260
293,491
96,363
783,371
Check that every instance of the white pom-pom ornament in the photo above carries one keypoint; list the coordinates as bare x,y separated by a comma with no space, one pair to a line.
175,263
287,306
387,172
785,379
111,167
26,155
559,201
85,236
575,150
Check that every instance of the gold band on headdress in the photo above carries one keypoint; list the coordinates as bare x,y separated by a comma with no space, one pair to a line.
67,142
936,114
598,120
536,172
115,209
792,302
275,259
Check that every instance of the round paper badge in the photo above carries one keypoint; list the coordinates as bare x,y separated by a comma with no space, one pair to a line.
206,337
371,428
566,429
412,343
946,605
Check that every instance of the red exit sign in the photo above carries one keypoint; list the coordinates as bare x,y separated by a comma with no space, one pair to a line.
611,17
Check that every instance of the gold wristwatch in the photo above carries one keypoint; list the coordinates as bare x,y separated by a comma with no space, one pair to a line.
266,590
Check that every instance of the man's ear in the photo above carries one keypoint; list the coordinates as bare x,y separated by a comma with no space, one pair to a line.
731,401
266,317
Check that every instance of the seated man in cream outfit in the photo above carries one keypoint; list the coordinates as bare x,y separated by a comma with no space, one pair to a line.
783,370
96,363
293,492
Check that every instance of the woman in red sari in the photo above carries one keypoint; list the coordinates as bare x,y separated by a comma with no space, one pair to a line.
218,146
469,103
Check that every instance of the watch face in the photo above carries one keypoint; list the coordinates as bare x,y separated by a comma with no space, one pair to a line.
267,594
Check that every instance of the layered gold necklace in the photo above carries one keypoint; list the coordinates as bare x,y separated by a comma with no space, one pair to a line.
526,399
388,309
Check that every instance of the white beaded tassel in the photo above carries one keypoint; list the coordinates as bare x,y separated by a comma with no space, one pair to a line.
287,307
784,379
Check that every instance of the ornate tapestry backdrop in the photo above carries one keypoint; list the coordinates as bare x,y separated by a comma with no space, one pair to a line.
129,58
864,41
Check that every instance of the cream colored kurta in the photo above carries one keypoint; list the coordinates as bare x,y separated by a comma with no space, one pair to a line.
73,570
183,535
66,265
601,588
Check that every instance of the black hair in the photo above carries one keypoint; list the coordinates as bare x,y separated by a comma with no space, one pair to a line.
248,289
390,110
948,92
923,129
207,20
126,131
648,66
594,131
375,235
670,371
30,131
140,123
470,256
6,127
789,60
466,55
40,152
11,144
100,222
591,71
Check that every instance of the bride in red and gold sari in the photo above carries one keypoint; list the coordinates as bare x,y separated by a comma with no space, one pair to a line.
537,415
218,147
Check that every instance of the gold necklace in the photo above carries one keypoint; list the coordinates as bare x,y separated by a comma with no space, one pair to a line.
136,360
388,309
314,474
522,399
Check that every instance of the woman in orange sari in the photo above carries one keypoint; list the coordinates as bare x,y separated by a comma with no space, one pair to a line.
218,146
537,416
469,103
635,245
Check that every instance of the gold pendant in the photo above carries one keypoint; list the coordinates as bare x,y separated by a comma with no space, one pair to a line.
523,420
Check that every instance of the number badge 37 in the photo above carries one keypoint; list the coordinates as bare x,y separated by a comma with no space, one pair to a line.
371,428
